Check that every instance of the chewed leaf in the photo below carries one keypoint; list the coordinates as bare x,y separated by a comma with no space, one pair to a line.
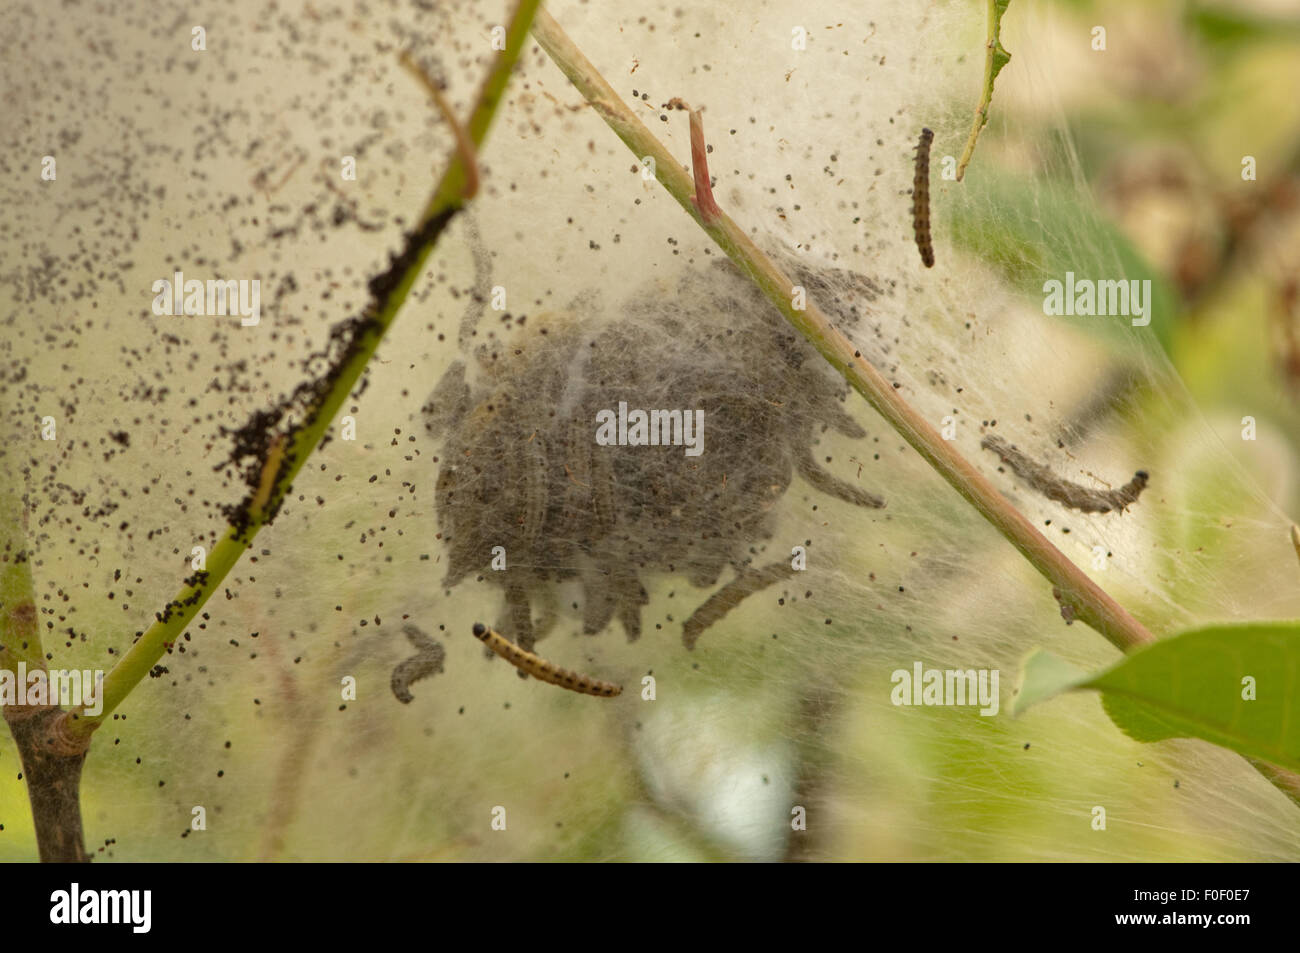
996,57
1045,676
1234,685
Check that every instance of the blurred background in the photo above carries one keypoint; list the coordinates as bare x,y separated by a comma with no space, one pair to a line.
1162,129
1124,161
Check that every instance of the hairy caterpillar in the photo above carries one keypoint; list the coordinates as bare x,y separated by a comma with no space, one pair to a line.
1062,491
921,198
427,660
541,669
519,466
731,595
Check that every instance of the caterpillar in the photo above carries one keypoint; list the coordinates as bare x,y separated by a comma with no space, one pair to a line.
745,584
426,661
1062,491
541,669
921,199
270,472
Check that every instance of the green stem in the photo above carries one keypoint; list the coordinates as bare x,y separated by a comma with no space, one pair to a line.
51,762
995,57
448,199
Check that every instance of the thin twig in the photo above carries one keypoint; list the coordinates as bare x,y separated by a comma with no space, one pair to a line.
291,771
811,767
995,57
20,636
389,293
465,145
703,197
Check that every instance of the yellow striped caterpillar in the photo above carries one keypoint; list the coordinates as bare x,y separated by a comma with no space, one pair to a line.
921,199
270,473
541,669
1062,491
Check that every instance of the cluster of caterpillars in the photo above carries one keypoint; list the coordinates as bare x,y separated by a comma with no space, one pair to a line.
520,469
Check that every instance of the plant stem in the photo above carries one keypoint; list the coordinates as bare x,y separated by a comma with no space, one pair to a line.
995,57
1077,593
448,199
20,636
51,761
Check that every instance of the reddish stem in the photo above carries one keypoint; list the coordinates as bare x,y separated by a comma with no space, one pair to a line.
703,197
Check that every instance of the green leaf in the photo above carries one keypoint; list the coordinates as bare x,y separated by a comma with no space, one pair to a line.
1031,234
1000,56
1228,27
1044,676
1191,686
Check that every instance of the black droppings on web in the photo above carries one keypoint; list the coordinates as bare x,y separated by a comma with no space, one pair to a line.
346,340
